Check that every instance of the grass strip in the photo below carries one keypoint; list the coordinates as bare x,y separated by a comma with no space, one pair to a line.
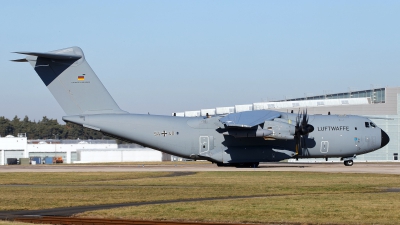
326,195
349,208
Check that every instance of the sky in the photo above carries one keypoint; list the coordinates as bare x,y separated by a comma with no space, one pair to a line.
172,56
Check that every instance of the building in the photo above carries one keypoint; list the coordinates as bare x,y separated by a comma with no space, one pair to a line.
13,147
124,153
76,151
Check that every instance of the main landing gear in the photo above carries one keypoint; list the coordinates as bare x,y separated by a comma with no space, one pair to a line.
348,163
349,160
240,165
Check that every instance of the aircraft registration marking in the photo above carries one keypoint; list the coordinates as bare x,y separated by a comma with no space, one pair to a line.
164,133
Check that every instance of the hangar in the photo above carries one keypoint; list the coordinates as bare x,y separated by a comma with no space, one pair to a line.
76,151
381,105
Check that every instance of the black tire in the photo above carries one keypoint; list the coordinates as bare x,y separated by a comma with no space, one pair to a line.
348,163
220,164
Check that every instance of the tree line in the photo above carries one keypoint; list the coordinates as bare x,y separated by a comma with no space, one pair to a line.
46,129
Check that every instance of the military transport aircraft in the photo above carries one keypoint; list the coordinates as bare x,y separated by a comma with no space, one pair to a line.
236,139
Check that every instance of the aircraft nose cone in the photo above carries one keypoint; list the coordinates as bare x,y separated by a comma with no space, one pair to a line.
385,138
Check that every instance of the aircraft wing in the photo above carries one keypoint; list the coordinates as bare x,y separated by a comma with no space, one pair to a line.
249,119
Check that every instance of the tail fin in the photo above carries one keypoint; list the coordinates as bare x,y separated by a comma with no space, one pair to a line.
72,82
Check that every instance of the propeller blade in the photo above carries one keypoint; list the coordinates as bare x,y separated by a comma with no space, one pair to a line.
302,129
297,145
304,142
307,116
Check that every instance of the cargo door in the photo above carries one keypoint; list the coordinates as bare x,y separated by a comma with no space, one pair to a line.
74,157
13,154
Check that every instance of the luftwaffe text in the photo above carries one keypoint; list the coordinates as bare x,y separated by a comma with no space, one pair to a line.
333,128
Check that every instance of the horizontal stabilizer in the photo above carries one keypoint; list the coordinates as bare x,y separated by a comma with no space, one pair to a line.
249,118
19,60
48,55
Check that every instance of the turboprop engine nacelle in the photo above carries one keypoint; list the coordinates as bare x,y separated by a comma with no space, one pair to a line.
245,133
280,130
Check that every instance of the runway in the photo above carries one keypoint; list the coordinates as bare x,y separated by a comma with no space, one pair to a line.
379,168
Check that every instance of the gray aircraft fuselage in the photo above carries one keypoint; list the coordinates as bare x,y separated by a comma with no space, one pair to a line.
204,138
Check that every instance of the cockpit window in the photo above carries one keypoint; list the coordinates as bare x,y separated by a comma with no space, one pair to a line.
372,124
366,124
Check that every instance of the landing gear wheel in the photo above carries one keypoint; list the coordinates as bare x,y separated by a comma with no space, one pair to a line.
220,164
348,163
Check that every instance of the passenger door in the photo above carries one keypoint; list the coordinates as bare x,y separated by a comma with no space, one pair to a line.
324,146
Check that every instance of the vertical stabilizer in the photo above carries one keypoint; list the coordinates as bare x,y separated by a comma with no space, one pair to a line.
72,82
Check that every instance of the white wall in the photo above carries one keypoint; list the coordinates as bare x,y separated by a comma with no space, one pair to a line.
88,152
119,155
67,148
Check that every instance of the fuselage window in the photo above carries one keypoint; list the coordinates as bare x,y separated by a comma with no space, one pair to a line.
355,128
366,124
372,124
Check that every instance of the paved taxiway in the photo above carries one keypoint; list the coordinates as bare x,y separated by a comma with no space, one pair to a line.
382,168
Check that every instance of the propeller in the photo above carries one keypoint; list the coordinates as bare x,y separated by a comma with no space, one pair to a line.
302,129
